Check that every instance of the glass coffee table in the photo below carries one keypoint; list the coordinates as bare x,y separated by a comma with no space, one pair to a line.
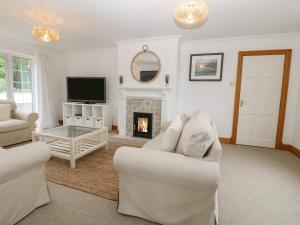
72,142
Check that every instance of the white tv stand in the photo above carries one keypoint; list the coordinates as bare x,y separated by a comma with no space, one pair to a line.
87,115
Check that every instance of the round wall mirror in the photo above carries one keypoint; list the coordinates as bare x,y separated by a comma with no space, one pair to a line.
145,66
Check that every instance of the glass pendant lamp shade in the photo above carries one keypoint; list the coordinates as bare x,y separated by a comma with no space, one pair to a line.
45,34
191,14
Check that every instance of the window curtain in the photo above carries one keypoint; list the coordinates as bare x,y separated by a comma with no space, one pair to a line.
44,106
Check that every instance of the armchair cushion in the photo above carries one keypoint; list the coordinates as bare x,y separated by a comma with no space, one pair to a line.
5,112
197,136
13,105
12,125
168,139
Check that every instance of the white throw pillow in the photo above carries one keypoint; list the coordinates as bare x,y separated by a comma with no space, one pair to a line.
5,111
155,143
203,112
167,140
197,136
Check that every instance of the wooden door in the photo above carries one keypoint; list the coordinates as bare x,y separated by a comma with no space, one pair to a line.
260,96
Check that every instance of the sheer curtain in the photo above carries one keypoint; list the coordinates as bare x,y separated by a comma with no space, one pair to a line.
44,105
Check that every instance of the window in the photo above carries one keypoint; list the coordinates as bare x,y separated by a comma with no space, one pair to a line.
3,77
16,81
22,83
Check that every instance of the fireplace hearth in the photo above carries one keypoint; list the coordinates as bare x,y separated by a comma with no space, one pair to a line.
142,124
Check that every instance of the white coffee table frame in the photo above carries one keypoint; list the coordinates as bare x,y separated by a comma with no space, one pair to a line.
72,148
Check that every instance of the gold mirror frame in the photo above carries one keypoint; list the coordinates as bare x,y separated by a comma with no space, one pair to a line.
132,63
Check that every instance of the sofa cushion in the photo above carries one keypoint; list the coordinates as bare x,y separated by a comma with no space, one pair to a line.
5,112
197,136
12,125
168,139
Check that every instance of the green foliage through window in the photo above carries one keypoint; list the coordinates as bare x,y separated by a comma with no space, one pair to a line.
2,73
16,81
21,74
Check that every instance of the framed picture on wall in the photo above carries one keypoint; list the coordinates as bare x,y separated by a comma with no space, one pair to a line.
206,67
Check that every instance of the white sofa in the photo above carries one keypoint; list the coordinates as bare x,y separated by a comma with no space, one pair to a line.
23,185
18,128
169,188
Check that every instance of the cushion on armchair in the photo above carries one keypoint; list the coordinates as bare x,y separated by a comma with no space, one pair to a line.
197,136
12,104
168,139
12,125
5,112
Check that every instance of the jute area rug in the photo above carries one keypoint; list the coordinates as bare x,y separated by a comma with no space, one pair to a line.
94,173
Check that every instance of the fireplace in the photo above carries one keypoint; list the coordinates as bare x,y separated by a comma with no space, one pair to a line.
142,124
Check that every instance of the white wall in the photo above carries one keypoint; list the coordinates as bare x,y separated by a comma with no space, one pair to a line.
218,97
186,96
97,62
166,49
55,66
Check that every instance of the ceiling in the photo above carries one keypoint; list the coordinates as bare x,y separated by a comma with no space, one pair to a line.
85,24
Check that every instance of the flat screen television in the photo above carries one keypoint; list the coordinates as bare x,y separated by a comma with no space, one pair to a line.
86,89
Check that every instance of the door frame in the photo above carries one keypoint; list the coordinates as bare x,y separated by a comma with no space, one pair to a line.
284,91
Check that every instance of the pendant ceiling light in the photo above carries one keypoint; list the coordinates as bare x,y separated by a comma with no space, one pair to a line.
191,14
45,34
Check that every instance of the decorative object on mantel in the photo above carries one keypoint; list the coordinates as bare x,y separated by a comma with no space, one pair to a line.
145,66
167,80
121,80
206,67
191,14
45,34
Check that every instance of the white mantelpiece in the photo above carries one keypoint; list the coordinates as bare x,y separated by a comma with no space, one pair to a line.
149,92
141,93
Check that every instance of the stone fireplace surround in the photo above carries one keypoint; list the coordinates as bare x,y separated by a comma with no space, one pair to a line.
144,106
151,100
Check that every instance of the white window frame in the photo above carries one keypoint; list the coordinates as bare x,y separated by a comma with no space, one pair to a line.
9,74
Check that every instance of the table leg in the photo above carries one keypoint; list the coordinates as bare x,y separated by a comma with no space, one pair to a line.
34,137
72,160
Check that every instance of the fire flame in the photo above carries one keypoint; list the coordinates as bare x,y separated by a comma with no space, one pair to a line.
142,124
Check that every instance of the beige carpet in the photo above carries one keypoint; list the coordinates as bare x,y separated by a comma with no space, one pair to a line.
94,173
258,187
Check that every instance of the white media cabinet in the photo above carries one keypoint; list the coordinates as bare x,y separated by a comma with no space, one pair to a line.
87,115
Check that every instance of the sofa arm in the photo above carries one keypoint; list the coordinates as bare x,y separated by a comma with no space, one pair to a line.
167,168
31,118
17,161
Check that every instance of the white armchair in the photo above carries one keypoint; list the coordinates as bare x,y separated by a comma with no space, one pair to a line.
23,184
167,187
18,128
